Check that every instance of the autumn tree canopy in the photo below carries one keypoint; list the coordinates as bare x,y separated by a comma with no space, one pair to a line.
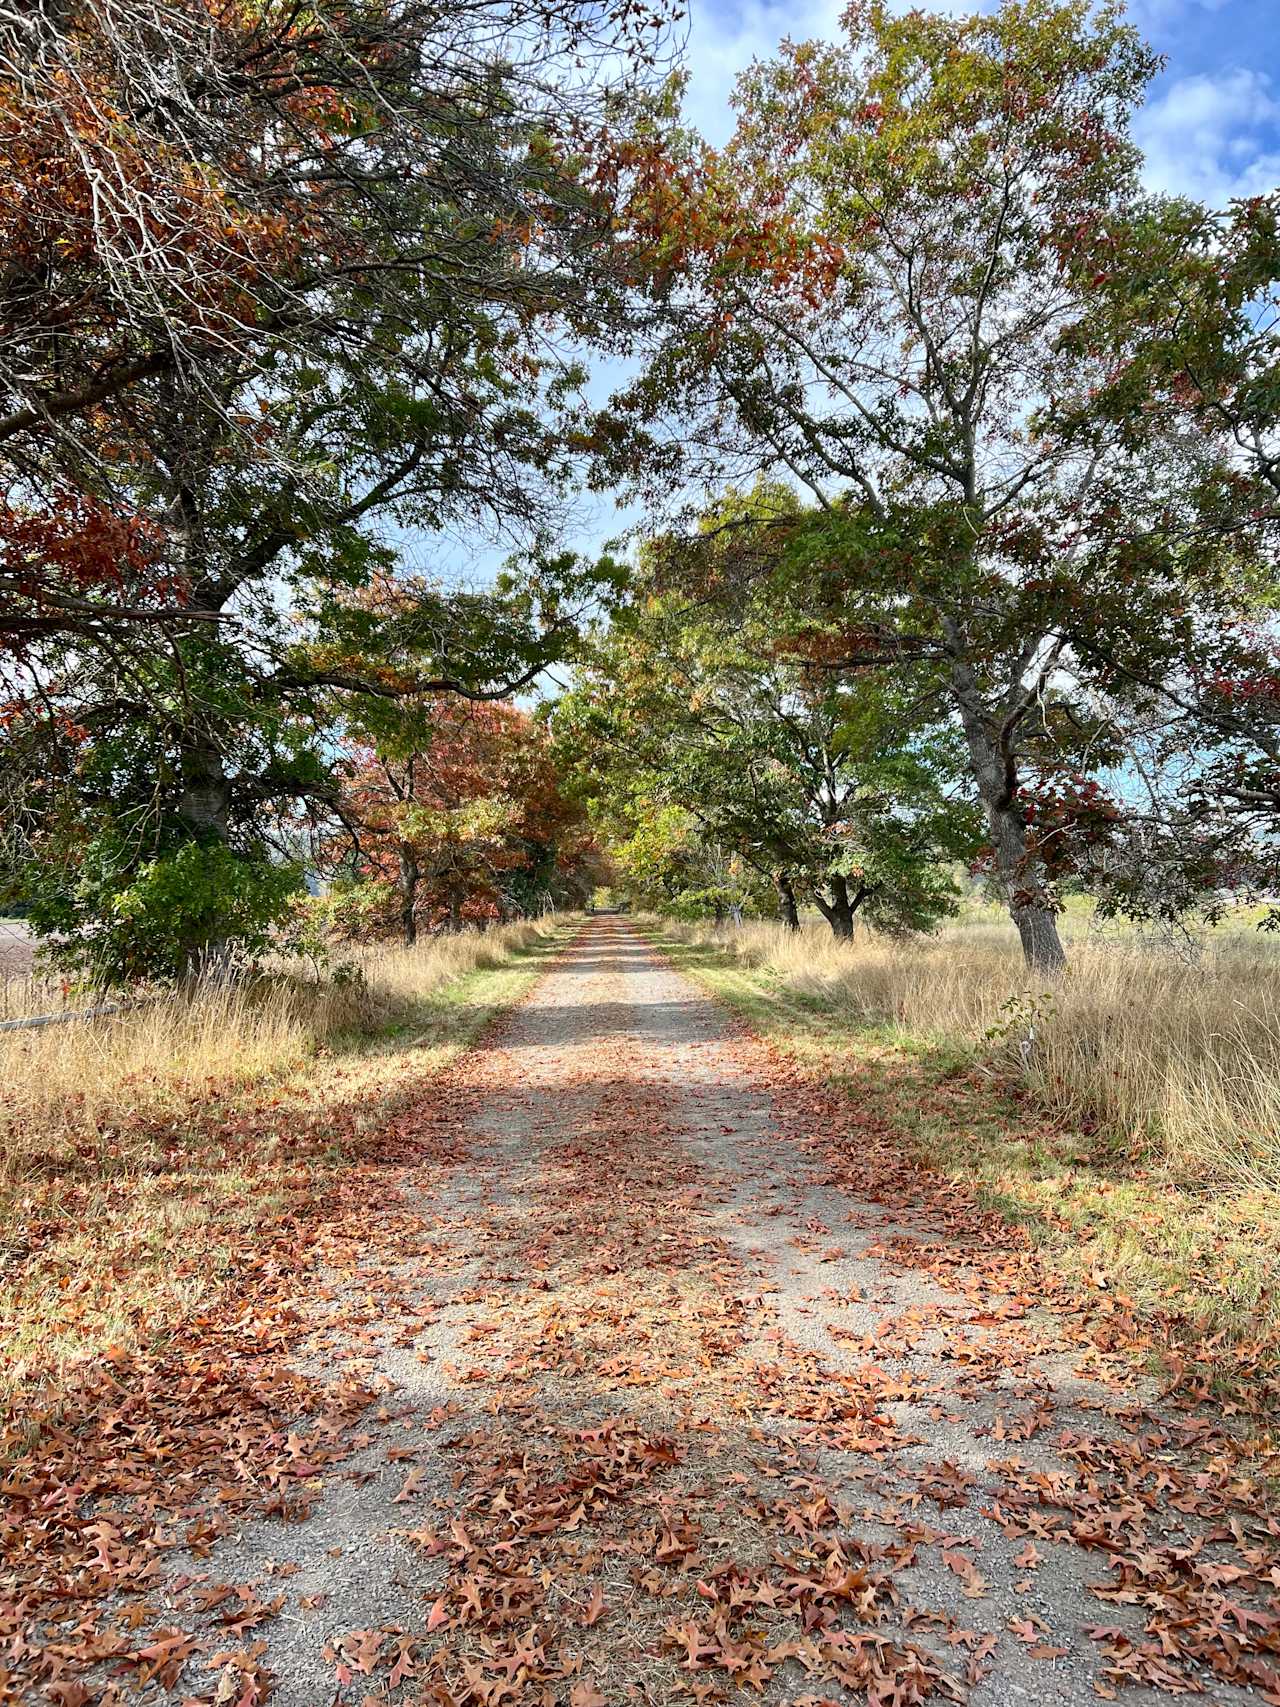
840,794
280,282
293,296
460,818
884,290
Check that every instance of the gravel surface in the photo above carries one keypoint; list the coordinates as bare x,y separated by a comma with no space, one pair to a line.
647,1244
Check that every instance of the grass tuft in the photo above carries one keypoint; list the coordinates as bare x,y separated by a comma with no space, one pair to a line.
66,1085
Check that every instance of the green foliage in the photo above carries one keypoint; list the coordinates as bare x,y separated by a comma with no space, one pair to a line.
1031,410
250,493
724,769
175,915
667,862
352,909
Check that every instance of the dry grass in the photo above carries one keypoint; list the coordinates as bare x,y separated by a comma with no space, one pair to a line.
143,1154
1182,1054
76,1079
1137,1138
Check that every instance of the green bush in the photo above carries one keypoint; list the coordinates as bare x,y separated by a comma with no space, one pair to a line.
173,916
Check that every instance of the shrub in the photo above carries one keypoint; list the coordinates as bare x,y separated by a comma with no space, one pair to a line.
198,905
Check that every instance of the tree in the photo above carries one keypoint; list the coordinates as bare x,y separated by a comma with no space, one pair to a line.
460,814
227,747
1187,308
366,223
210,210
876,291
665,860
194,183
830,792
1187,312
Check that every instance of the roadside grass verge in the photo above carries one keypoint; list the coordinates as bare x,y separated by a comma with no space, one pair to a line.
141,1154
1136,1135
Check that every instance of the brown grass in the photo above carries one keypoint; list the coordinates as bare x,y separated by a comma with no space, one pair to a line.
1179,1052
77,1079
1136,1134
141,1153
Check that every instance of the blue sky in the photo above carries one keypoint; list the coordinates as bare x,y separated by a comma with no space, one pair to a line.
1211,127
1212,124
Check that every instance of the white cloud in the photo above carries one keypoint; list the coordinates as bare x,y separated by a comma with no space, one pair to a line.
1213,136
725,39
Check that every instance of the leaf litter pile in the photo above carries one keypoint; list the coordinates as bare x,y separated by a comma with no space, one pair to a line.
640,1368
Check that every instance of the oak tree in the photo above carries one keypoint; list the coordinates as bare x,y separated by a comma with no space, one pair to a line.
874,291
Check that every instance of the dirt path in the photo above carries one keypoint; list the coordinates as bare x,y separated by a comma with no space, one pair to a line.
690,1387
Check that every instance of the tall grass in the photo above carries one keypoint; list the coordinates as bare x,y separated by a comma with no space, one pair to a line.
142,1152
68,1082
1181,1054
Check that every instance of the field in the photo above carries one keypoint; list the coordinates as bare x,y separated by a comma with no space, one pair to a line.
15,956
141,1154
1130,1117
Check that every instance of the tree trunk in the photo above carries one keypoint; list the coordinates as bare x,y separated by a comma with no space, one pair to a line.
1021,875
408,887
1041,945
204,807
719,912
839,911
787,901
455,911
205,803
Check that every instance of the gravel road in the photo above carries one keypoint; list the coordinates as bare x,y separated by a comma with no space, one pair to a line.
684,1398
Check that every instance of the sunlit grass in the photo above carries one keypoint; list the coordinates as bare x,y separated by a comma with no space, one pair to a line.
1179,1055
145,1153
1136,1136
74,1080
